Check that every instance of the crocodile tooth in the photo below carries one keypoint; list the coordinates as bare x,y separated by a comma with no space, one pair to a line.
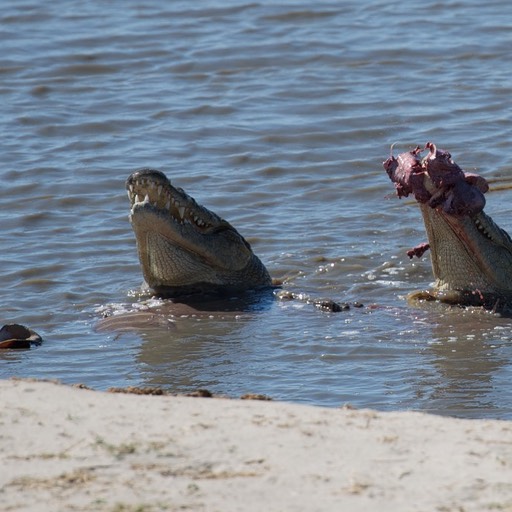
146,198
181,211
168,204
136,200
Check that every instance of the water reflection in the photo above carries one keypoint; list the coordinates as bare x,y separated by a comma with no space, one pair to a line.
470,350
198,353
445,360
191,344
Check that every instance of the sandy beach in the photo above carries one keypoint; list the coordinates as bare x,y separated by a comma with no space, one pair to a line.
64,448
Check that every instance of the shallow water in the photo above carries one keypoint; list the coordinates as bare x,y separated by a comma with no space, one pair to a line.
277,117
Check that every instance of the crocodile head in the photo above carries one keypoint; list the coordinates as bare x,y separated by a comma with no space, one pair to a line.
183,247
471,256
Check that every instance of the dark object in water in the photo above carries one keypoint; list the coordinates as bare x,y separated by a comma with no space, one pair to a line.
18,336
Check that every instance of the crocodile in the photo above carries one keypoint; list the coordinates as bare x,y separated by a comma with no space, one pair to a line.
471,255
190,254
184,248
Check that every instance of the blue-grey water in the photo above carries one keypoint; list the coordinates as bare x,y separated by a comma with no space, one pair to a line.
277,116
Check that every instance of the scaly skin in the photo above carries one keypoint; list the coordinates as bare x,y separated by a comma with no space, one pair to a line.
471,255
183,247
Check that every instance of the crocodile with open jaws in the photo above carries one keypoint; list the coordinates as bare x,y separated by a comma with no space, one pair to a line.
471,255
189,253
184,248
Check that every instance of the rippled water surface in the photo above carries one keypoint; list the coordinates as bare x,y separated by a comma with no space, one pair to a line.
277,116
